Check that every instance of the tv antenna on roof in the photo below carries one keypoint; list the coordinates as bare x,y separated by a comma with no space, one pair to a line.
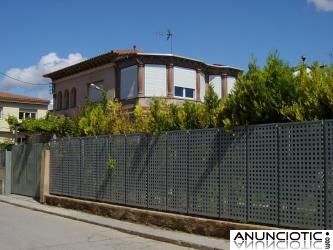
169,37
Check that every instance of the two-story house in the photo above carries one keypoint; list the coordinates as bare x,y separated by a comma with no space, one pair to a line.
135,77
21,107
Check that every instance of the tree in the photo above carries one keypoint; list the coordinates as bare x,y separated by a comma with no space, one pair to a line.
260,94
315,95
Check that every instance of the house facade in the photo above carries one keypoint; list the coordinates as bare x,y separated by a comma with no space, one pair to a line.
21,107
134,77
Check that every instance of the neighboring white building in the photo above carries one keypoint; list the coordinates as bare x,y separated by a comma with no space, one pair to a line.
21,107
135,77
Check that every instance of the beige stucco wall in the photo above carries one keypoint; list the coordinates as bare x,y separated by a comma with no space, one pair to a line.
14,109
80,81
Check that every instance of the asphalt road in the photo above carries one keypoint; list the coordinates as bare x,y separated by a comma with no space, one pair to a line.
22,228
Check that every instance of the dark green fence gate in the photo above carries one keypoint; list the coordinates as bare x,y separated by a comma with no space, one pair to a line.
26,161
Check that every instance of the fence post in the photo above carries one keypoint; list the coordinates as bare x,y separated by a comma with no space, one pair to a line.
278,172
81,165
125,175
44,175
166,171
247,173
188,171
8,173
220,172
325,174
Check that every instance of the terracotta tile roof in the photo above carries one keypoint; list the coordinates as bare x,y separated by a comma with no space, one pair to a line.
8,97
91,63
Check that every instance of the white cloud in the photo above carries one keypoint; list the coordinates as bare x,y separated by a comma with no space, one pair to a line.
325,5
34,74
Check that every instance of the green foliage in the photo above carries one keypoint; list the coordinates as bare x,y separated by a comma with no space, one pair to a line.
260,95
6,144
111,164
108,117
162,117
212,108
12,122
52,124
314,97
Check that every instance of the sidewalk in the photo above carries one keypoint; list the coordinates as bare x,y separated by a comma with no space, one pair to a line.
175,237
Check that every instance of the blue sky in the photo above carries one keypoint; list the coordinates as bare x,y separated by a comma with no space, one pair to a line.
40,36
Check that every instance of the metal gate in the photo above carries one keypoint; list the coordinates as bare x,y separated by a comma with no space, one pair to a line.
26,162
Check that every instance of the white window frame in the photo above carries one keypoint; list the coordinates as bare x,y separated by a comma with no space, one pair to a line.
27,113
1,113
184,93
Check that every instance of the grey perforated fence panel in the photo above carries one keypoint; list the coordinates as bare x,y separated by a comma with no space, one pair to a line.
329,173
65,164
102,168
74,167
301,175
56,156
263,174
136,170
89,184
267,174
117,182
157,172
233,174
204,172
177,171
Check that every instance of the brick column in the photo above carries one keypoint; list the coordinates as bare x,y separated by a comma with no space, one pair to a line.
117,84
224,88
170,80
206,83
140,78
197,81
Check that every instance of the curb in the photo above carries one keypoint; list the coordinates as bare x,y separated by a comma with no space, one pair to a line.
124,230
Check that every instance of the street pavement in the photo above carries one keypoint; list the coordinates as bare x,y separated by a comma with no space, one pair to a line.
150,232
26,229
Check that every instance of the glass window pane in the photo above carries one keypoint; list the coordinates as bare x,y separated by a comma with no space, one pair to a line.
33,115
179,91
189,93
21,115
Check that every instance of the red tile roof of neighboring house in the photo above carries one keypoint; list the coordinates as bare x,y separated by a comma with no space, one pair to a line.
8,97
91,63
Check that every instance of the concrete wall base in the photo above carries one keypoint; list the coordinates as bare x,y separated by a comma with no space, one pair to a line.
188,224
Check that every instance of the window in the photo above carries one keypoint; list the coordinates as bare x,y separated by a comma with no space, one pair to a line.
179,91
184,92
95,91
27,113
189,93
66,99
1,113
73,98
59,101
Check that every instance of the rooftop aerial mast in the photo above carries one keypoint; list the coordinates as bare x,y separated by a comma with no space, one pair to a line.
169,37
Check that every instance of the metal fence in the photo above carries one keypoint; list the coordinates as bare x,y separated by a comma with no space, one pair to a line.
277,174
26,164
2,158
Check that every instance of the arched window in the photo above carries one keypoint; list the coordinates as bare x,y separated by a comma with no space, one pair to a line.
55,101
73,98
59,101
66,99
